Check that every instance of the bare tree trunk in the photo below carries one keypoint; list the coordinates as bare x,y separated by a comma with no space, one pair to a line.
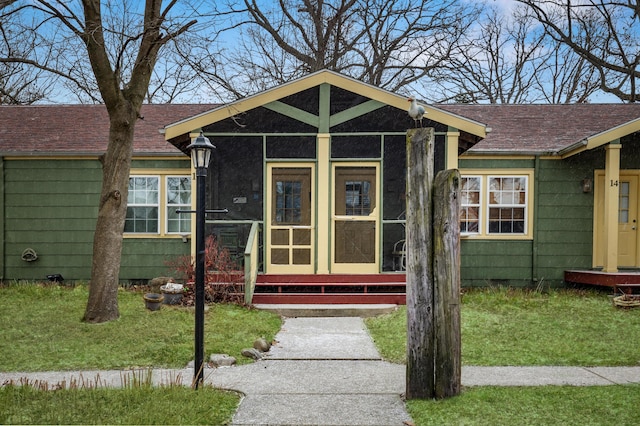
420,334
446,277
102,304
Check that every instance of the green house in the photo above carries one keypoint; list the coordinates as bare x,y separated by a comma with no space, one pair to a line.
312,173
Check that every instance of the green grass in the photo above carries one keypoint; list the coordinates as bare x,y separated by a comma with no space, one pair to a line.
519,327
133,405
43,325
548,405
500,327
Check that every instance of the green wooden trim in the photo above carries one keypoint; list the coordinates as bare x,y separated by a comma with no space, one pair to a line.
536,216
324,108
353,112
293,112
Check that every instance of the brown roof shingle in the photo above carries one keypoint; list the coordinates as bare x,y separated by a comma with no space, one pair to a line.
542,128
83,129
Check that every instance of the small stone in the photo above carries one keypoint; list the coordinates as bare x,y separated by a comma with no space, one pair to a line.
262,345
191,364
221,360
160,281
252,353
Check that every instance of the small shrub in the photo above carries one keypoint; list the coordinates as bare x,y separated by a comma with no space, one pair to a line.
224,283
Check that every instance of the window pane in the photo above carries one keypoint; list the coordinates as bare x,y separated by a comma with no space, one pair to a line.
623,209
288,202
141,219
470,204
357,198
178,223
142,206
178,198
507,198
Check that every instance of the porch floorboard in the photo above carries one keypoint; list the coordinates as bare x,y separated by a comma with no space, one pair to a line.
625,280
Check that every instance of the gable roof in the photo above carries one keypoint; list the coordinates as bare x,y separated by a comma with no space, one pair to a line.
83,129
564,129
183,127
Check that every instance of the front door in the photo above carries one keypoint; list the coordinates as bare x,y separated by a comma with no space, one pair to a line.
627,222
355,219
628,251
289,229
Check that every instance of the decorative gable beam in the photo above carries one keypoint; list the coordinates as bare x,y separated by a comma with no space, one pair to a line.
293,112
353,112
322,78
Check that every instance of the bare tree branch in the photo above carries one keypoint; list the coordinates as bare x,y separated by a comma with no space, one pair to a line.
602,32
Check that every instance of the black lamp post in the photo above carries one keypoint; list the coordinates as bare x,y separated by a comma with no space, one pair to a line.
200,156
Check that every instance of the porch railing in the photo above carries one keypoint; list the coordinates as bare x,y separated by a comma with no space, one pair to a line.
251,262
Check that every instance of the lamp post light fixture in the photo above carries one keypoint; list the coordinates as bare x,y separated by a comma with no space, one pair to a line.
200,156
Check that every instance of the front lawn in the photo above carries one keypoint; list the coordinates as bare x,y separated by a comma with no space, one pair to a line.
521,327
42,330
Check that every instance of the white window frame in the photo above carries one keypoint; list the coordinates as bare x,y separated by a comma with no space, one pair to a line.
472,205
163,206
485,177
510,203
185,217
155,205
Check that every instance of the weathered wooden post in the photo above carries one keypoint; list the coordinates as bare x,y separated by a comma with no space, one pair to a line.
433,273
419,275
446,279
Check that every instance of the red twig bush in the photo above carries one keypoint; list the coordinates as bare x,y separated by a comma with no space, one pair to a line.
224,282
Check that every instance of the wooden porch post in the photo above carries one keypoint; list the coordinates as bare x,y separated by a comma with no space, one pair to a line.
611,208
323,252
451,143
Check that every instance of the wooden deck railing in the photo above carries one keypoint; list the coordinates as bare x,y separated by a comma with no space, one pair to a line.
251,262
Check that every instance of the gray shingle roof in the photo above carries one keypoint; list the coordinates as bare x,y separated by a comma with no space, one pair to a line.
83,129
542,128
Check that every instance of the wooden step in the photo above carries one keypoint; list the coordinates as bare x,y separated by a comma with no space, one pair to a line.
330,289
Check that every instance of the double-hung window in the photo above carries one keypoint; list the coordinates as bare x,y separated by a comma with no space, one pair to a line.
178,198
496,204
143,205
507,204
153,203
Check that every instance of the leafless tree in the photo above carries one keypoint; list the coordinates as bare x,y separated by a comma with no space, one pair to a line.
605,33
386,43
121,43
506,59
20,84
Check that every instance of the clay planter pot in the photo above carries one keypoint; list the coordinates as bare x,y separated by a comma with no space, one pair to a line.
153,301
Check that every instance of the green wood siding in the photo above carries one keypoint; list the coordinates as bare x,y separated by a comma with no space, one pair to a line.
51,206
563,226
143,259
564,220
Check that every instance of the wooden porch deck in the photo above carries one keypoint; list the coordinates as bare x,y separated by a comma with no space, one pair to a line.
624,280
331,289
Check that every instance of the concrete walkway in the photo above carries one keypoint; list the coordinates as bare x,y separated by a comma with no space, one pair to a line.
326,371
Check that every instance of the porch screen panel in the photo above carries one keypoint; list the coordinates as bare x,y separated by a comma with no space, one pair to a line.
355,201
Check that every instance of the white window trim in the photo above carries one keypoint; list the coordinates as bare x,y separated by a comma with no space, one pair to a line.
162,175
181,206
483,226
480,211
